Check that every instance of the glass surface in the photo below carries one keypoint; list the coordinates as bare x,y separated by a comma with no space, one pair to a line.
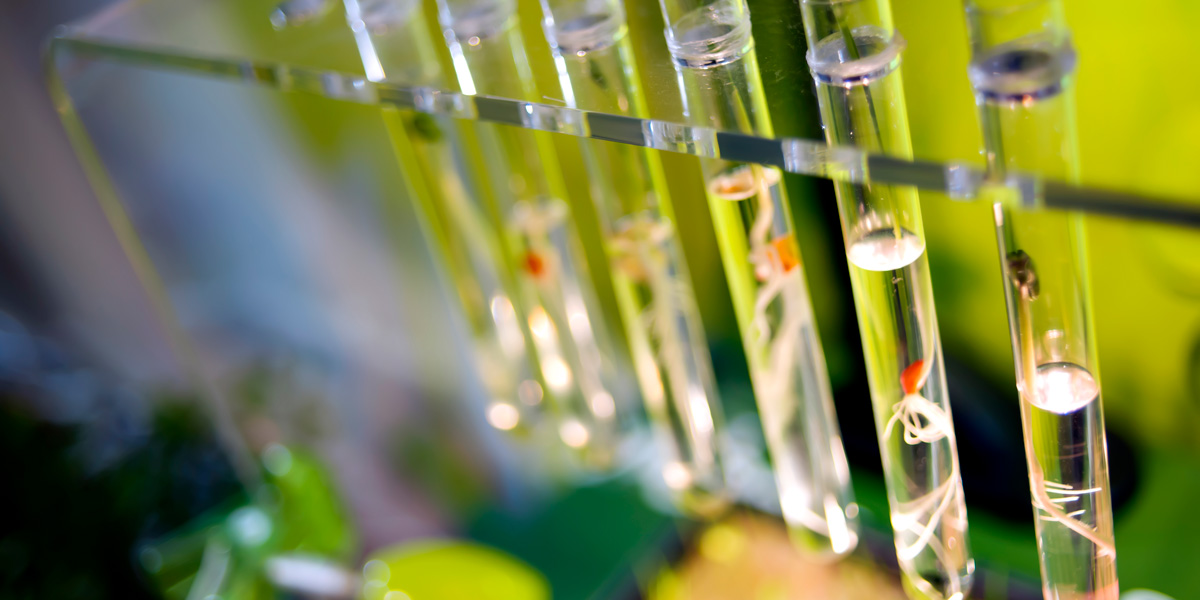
106,68
569,334
650,276
1022,71
294,46
721,86
855,57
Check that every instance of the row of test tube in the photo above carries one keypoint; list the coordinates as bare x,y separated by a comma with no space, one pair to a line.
491,200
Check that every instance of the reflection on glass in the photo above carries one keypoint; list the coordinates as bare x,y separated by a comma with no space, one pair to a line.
653,288
556,300
718,74
854,55
394,44
1023,61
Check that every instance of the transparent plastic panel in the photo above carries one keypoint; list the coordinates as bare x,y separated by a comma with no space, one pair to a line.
283,280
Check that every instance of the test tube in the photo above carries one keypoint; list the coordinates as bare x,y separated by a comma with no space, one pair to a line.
395,46
717,68
854,54
568,330
652,284
1022,65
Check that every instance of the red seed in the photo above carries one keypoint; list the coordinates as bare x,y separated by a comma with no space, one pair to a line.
785,248
534,263
913,376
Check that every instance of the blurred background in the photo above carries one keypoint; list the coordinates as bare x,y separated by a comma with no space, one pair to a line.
240,308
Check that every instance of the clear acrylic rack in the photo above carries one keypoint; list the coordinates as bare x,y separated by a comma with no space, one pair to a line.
187,38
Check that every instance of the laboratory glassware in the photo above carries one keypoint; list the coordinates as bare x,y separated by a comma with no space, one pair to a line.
713,50
569,332
597,72
854,55
1022,68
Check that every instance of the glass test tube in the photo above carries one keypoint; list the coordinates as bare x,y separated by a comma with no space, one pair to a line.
653,288
1021,72
568,333
395,45
718,73
854,54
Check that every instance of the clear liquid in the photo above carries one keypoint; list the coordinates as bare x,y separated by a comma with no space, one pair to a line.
454,218
561,328
832,59
1069,484
554,295
801,431
467,245
722,88
1027,112
384,16
861,96
787,366
670,358
650,280
890,277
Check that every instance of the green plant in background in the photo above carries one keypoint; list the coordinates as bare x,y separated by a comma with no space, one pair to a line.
229,553
449,570
294,512
309,512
